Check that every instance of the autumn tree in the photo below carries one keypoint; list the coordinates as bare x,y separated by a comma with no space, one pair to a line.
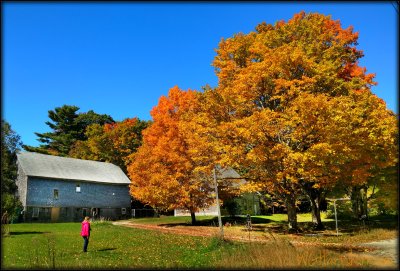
279,108
372,137
163,171
111,142
383,190
67,127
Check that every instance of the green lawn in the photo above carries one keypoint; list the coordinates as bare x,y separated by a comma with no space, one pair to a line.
59,245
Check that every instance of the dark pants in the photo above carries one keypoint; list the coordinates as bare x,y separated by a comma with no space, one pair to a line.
85,243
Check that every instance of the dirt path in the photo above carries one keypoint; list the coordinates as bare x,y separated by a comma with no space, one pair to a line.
168,229
202,231
385,248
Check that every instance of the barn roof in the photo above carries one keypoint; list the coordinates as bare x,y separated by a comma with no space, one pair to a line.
50,166
226,173
230,173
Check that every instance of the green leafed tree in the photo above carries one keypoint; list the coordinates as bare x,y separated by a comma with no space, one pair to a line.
113,143
67,126
10,144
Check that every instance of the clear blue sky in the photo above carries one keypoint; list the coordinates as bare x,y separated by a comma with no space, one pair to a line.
119,58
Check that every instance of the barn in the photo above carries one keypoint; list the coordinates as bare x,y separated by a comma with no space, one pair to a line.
249,202
61,189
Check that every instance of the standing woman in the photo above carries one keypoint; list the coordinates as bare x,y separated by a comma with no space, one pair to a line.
85,233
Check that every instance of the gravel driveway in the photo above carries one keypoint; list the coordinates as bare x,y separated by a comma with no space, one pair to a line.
385,248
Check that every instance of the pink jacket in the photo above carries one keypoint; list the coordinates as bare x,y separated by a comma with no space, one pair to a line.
85,228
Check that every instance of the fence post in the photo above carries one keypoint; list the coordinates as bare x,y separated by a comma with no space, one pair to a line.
334,206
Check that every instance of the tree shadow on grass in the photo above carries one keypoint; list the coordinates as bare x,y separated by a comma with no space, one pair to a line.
170,225
213,222
346,225
351,226
28,232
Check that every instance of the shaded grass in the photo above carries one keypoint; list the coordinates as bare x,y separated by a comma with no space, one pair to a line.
213,220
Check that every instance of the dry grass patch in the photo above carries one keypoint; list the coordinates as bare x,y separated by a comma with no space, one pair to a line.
282,254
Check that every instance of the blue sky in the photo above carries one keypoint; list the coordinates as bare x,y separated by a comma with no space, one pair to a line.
119,58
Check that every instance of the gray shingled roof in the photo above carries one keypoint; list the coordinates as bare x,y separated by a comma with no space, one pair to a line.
226,173
49,166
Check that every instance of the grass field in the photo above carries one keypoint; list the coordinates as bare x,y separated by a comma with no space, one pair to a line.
59,245
350,232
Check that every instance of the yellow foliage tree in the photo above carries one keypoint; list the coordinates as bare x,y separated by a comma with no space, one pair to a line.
294,110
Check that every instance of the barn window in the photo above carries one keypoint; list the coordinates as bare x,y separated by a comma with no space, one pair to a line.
78,188
55,193
35,212
123,211
85,212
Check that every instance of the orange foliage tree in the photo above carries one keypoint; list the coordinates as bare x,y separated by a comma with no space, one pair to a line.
294,110
162,171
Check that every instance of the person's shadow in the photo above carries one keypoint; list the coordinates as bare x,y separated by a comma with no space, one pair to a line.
106,249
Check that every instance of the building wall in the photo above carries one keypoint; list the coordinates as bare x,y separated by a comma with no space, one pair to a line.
40,192
212,210
70,205
71,214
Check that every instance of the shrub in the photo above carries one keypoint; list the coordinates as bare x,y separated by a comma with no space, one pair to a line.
232,207
101,221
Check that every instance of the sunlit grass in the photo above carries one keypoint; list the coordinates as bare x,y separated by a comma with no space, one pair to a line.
59,245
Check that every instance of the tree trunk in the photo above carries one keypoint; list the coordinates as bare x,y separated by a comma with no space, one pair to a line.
316,213
355,194
193,216
364,202
316,197
359,202
292,214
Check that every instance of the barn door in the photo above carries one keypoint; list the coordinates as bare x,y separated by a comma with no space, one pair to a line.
55,214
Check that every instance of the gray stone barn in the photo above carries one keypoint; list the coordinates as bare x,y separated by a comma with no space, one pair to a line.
60,189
